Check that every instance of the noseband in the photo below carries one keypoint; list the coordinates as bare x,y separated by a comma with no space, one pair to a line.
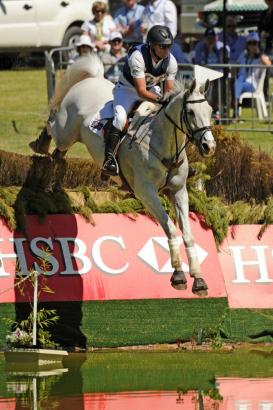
189,132
184,118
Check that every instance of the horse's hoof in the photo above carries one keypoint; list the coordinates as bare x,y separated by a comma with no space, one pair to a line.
199,287
35,147
178,280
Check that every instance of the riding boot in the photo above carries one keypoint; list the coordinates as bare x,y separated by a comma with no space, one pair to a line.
42,143
110,165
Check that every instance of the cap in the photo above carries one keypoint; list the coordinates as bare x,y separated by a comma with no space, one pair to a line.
84,40
209,32
115,35
253,36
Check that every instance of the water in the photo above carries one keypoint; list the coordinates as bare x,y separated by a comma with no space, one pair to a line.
241,380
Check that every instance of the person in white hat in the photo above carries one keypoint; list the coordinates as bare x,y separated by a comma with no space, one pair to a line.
83,47
114,57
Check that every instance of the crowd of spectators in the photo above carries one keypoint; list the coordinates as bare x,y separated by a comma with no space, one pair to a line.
112,36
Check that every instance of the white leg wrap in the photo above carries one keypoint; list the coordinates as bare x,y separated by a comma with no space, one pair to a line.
193,261
175,254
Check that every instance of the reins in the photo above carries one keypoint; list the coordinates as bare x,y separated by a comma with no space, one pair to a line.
189,132
170,164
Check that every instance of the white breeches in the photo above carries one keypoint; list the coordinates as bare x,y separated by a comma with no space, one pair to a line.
125,97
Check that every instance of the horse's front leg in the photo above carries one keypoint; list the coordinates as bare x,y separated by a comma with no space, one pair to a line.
149,198
181,203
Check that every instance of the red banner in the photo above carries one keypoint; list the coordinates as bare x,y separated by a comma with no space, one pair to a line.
121,257
247,264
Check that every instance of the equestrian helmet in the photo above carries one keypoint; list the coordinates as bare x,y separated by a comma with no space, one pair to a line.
159,35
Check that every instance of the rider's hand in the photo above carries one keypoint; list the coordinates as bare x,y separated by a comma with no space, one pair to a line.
163,101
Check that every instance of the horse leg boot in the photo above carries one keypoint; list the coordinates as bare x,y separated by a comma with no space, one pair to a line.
110,165
42,143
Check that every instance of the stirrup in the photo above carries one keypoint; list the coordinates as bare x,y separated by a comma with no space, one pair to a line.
110,166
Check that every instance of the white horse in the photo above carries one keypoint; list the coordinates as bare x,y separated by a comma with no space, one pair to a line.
154,159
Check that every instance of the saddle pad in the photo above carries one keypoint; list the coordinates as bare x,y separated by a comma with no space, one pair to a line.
143,116
97,123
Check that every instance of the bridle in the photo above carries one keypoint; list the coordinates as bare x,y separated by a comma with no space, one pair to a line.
189,131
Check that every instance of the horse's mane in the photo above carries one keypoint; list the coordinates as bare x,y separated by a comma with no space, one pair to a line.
84,67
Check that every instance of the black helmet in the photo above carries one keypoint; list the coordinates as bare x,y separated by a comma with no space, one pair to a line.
160,35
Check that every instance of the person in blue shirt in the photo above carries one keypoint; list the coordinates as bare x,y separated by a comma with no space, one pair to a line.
209,51
248,78
128,21
235,41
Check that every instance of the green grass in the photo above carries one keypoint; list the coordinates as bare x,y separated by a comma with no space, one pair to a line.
24,100
141,322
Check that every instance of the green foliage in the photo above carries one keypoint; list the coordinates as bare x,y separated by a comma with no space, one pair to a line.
213,211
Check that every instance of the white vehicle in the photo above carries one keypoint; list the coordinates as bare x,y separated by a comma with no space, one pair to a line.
35,25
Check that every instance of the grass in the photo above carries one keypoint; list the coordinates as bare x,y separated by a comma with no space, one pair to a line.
23,112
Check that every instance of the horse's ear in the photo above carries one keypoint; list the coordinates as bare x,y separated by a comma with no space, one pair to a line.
207,84
192,86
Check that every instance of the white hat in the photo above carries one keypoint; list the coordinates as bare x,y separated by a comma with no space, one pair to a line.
114,35
84,40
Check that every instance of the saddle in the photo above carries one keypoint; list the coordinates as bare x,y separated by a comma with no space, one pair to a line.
100,124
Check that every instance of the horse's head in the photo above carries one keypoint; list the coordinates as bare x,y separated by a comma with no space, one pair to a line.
196,118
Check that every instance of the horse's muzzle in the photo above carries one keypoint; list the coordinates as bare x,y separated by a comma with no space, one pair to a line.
207,145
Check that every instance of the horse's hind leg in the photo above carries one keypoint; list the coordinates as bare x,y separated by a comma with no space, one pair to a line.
149,198
181,203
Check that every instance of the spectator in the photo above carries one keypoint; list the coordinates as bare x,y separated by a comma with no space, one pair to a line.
235,41
111,59
236,45
83,47
128,21
248,78
147,66
100,28
210,51
162,12
178,53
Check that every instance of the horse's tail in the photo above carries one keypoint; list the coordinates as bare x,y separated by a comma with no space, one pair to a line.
84,67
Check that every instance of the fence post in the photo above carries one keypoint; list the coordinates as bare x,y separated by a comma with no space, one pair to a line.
50,74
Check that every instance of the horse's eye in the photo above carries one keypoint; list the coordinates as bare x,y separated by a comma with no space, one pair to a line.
190,112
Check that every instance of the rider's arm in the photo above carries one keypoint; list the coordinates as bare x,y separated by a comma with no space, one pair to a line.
168,86
140,85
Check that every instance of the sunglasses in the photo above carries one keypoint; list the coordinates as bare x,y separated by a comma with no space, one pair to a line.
164,46
99,11
116,40
252,42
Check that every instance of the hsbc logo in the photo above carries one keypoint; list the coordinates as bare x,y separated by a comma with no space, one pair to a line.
148,254
87,257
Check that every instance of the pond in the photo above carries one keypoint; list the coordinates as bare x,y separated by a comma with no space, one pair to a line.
117,380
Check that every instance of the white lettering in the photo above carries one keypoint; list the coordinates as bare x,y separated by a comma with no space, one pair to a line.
19,254
44,255
260,262
96,253
80,255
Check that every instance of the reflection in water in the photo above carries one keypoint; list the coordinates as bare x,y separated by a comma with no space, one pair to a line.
35,392
75,387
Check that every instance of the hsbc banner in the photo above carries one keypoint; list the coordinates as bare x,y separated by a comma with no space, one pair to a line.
247,264
120,257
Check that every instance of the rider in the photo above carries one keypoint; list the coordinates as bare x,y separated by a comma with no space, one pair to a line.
146,66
